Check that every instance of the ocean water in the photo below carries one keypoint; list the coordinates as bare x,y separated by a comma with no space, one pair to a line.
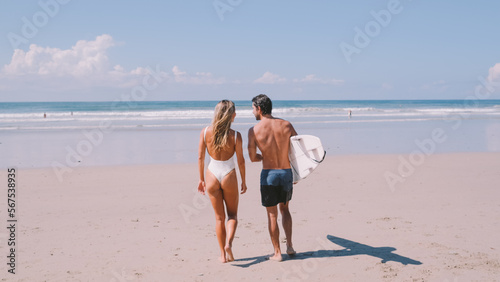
193,114
134,133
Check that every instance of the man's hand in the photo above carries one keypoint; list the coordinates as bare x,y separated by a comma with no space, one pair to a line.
201,187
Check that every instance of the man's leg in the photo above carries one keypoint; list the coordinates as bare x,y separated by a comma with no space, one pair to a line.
274,232
287,226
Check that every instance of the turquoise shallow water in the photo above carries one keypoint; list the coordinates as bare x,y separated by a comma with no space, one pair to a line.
89,134
192,114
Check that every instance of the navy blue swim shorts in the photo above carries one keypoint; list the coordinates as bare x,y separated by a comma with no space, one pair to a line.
276,186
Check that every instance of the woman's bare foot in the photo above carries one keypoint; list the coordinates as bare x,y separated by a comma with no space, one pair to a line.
290,251
223,259
229,252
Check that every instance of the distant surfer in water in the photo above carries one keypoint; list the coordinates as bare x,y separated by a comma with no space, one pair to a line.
272,137
220,181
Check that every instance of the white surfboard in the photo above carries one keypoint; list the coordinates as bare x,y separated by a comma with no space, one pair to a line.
305,154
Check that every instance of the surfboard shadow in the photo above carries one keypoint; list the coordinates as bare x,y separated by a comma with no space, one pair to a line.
352,248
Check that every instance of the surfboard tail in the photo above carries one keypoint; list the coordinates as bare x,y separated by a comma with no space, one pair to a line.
305,154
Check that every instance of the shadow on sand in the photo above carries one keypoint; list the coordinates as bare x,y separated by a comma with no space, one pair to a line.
351,249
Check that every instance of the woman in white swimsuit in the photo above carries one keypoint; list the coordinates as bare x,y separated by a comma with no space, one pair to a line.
220,181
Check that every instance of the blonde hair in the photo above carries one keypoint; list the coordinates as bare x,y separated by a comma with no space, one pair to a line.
222,123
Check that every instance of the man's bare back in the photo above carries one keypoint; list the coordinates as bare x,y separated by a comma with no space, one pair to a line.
272,137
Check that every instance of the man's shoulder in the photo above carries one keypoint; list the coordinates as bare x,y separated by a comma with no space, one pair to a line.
282,122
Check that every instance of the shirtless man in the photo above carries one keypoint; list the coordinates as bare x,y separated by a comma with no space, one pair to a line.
272,137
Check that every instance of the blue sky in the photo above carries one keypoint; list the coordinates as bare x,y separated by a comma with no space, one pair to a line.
60,50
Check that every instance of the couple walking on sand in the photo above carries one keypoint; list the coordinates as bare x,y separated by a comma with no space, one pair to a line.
272,137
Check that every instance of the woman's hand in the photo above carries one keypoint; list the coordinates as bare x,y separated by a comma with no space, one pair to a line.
201,187
243,188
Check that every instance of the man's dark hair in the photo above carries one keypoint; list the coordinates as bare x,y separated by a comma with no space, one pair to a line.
265,104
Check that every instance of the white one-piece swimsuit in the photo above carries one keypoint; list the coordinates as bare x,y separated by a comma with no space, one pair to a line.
220,168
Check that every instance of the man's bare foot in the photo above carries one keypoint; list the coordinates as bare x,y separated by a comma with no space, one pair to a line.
290,251
229,252
276,257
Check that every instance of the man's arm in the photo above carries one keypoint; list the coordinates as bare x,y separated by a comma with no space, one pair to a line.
292,130
252,147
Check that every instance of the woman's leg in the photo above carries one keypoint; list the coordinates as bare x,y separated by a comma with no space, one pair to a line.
231,198
216,197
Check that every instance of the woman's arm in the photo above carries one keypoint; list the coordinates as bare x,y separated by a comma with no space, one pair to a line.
201,163
241,162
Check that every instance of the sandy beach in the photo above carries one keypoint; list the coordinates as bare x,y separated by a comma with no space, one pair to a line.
104,108
147,223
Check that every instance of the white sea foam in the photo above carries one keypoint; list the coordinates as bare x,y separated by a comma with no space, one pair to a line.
186,116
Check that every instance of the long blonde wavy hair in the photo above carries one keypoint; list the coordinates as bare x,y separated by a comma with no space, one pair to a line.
222,123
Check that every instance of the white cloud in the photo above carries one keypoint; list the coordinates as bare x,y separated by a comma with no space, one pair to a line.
308,78
85,58
494,73
178,74
86,64
197,78
311,78
270,78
